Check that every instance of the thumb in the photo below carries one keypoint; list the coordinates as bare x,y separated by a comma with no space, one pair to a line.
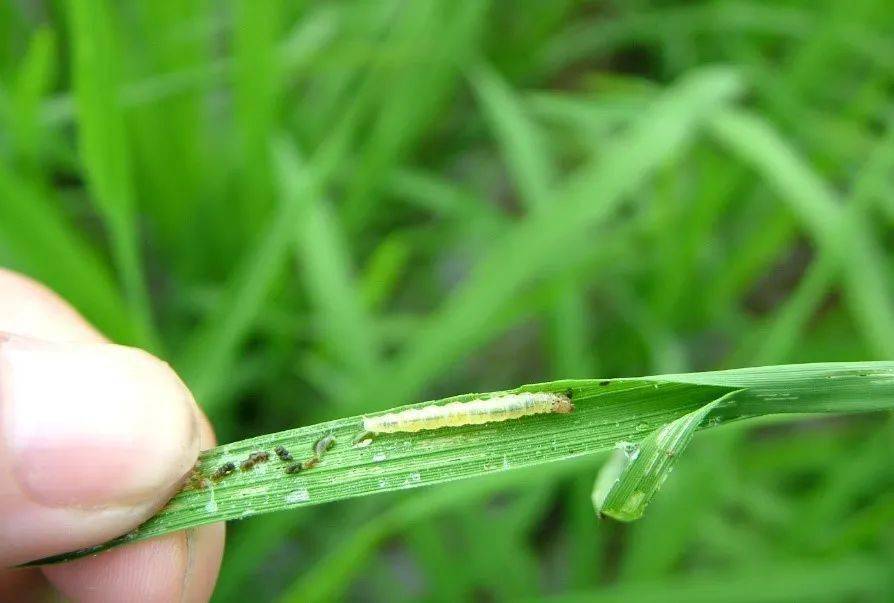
94,438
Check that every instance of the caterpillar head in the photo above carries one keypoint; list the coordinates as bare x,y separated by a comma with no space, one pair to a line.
563,405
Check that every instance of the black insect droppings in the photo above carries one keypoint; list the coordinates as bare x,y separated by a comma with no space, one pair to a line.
283,454
223,471
253,459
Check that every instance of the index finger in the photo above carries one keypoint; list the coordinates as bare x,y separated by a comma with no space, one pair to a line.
177,567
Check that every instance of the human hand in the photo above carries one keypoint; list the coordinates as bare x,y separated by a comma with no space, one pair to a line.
94,439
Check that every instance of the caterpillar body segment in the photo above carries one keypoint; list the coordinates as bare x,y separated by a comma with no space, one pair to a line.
473,412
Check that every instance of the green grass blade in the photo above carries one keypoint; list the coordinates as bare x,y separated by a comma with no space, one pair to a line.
47,247
326,579
661,539
842,234
442,198
258,86
522,145
302,45
539,242
104,148
208,355
410,93
606,413
635,472
520,142
861,579
599,36
211,349
347,329
35,77
170,133
383,271
250,543
782,333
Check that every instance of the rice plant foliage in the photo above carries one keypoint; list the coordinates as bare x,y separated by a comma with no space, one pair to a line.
660,412
319,210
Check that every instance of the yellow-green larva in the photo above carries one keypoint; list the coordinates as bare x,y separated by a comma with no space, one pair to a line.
473,412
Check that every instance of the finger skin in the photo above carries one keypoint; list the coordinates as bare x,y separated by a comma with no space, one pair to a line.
181,566
95,439
176,567
29,308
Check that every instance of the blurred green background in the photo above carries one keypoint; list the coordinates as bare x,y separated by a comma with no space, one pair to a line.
316,209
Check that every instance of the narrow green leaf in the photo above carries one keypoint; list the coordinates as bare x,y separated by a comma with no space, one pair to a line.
104,148
323,252
258,85
296,52
47,247
442,198
540,242
599,36
326,579
34,80
409,92
782,332
635,472
843,235
847,579
522,145
172,166
520,142
607,412
211,348
383,270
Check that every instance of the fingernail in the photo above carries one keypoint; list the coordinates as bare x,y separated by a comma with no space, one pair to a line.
93,425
